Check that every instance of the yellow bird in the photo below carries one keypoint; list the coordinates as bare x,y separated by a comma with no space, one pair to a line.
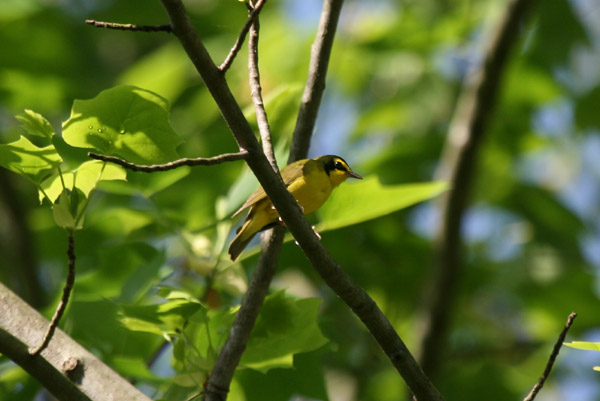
310,181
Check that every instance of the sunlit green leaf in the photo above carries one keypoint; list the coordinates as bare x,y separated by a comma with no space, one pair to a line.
25,158
86,177
584,345
368,199
35,124
126,121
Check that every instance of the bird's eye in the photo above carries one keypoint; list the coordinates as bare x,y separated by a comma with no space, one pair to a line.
339,166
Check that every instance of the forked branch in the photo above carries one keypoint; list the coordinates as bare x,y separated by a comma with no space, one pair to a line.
229,358
242,36
358,300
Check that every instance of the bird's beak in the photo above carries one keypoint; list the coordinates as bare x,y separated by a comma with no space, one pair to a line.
354,175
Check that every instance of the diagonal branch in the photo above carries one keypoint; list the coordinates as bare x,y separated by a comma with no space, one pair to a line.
358,300
229,358
242,36
315,83
129,27
199,161
65,368
465,137
561,339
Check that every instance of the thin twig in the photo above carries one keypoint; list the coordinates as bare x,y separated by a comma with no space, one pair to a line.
256,92
315,82
129,27
561,339
199,161
241,37
459,159
62,305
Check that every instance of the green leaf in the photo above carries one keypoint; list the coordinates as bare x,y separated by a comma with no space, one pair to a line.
26,159
306,379
354,203
584,345
126,121
67,209
161,319
86,177
285,326
35,124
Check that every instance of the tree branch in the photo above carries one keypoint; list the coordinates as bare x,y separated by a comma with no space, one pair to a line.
129,27
231,354
64,367
242,36
315,83
465,137
229,358
199,161
291,214
64,301
561,339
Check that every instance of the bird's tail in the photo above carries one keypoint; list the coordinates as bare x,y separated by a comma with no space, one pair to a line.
240,241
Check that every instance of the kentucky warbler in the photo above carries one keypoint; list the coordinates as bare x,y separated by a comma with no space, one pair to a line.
310,181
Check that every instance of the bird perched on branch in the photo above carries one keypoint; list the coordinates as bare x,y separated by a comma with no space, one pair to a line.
310,181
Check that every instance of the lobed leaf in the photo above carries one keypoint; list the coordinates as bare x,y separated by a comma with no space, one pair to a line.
86,177
24,158
35,124
127,121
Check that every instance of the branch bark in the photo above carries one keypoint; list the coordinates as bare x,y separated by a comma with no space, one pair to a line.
64,367
291,214
152,168
459,159
62,305
240,40
229,358
129,27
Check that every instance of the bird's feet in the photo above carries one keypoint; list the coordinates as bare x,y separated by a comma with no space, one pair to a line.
316,234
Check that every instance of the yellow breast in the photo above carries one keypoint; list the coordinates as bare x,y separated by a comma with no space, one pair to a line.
312,189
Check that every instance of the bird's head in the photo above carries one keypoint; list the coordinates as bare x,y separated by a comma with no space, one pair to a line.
337,169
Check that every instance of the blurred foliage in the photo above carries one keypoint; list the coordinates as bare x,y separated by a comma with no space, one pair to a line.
155,293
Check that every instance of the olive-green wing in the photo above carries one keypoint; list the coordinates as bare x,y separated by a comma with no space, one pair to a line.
289,173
